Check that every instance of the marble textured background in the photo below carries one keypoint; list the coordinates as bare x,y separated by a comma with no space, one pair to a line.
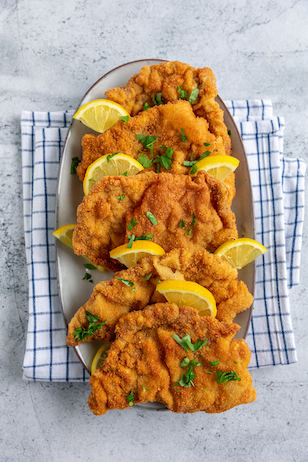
50,53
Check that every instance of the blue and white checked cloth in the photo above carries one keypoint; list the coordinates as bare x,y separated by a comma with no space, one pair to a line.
278,191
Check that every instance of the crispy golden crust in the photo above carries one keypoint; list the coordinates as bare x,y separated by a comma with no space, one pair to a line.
163,78
112,299
145,360
165,123
103,219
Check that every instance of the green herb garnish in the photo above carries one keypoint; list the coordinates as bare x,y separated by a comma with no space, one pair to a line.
182,93
130,398
82,333
224,377
147,141
87,277
183,137
182,224
152,218
146,106
185,343
145,237
214,363
185,362
132,224
229,133
74,165
128,283
157,99
121,197
188,233
164,160
148,276
124,174
110,156
193,96
146,388
125,119
186,380
89,266
144,161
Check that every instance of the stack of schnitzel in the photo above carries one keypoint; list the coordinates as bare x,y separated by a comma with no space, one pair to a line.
162,352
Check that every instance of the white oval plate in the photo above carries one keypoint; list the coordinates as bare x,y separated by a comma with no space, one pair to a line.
73,291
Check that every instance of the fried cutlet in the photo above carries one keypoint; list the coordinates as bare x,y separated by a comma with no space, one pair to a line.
171,79
174,125
112,299
146,363
191,211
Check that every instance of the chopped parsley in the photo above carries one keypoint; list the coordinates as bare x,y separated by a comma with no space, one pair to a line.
91,179
130,398
182,224
121,197
110,156
192,163
87,277
147,141
125,119
132,223
224,377
188,233
186,380
124,174
146,388
144,161
146,106
81,333
157,99
74,165
182,93
229,133
89,266
193,96
152,218
128,283
164,160
148,276
185,343
183,137
145,237
214,363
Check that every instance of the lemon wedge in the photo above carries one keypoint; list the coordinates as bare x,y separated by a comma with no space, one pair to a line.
240,252
110,165
218,166
65,235
139,249
101,114
187,293
100,357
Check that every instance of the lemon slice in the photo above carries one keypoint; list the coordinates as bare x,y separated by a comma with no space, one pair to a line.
100,114
187,293
139,249
110,165
240,252
218,166
65,235
100,357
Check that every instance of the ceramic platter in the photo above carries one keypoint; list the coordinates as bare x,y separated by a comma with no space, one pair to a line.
73,291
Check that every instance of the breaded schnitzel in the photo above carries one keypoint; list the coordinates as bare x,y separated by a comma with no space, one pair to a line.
150,361
171,79
166,123
112,299
191,211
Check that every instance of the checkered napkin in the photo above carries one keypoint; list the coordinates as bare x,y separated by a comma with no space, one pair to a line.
278,191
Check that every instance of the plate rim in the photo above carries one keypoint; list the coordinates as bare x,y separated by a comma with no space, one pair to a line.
225,109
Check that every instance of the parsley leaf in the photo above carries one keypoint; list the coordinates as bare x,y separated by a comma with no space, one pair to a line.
152,218
89,266
185,362
132,224
157,99
130,398
146,106
229,133
124,174
188,233
182,93
82,333
147,141
128,283
146,388
125,119
87,277
183,137
144,161
148,276
185,343
192,163
214,363
164,160
110,156
145,237
186,380
193,96
224,377
74,165
121,197
182,224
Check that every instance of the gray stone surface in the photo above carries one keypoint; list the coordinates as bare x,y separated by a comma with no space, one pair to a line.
50,53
